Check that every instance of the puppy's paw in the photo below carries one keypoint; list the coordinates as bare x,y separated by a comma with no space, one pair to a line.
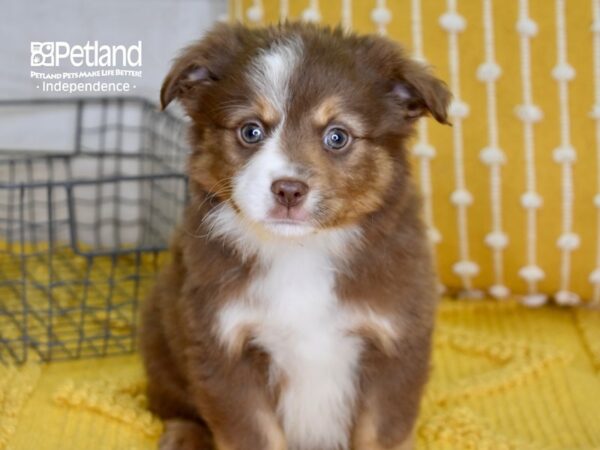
182,434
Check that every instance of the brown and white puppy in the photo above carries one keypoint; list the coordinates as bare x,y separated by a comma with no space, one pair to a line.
298,309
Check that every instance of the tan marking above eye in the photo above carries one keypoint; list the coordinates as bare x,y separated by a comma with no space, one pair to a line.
324,112
267,112
258,110
330,112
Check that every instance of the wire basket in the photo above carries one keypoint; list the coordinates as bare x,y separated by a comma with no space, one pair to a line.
90,190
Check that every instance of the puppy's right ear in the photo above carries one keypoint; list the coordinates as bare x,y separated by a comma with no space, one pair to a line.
201,64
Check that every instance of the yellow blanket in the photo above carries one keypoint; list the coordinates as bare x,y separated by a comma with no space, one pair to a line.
504,377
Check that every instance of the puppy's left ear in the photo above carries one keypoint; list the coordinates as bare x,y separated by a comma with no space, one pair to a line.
411,84
419,93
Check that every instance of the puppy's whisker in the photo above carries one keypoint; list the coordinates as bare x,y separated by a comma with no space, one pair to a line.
215,191
209,196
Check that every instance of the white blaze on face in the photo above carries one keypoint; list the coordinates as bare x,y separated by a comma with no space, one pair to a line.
271,71
270,75
252,186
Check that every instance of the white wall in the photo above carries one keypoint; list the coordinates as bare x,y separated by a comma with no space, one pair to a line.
163,26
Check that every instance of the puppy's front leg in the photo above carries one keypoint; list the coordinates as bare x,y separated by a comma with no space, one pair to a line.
392,393
233,400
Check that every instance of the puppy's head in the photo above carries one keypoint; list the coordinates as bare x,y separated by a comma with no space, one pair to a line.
301,128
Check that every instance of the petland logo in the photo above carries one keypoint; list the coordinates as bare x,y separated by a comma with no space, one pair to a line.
92,54
59,67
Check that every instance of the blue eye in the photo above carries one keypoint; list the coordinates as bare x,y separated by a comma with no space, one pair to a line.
336,139
252,133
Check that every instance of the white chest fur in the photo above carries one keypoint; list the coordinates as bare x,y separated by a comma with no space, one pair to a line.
297,319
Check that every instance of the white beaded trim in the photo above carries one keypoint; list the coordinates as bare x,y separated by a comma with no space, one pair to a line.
532,273
531,200
563,72
565,155
458,109
465,268
381,16
499,291
497,240
461,197
238,11
453,23
255,13
488,73
492,156
527,27
347,14
567,298
434,235
534,300
422,149
529,114
595,275
568,241
284,10
312,14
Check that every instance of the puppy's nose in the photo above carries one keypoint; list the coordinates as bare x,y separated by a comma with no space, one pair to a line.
289,192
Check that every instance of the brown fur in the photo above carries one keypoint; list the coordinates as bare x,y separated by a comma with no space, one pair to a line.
209,397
